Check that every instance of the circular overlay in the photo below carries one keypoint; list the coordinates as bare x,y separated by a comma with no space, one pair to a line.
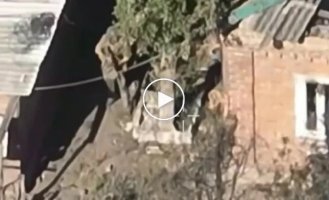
181,90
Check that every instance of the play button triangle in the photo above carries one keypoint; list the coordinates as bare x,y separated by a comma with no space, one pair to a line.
163,99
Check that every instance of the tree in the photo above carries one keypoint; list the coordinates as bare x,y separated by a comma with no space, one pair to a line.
172,29
174,32
164,27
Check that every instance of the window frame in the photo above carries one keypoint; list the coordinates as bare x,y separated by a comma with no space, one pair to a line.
300,103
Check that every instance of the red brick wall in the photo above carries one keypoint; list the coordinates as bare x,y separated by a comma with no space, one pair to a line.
261,88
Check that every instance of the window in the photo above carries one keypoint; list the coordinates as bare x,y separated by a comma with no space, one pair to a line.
311,106
311,95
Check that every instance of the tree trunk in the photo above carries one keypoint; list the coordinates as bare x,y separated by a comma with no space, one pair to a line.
167,70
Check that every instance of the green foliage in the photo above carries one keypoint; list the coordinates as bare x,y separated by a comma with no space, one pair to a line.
172,29
170,26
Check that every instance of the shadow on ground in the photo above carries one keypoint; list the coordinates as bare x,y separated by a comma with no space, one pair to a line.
50,119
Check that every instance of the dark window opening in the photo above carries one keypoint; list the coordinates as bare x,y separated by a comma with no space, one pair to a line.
326,114
311,106
311,90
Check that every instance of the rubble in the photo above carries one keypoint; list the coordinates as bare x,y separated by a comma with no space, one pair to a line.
153,150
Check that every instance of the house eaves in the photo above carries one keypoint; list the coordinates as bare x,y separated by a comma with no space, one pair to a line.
286,21
19,65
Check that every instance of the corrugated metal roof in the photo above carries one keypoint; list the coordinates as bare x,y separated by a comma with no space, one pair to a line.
286,21
19,67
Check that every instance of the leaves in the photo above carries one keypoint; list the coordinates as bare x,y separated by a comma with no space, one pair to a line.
170,27
165,25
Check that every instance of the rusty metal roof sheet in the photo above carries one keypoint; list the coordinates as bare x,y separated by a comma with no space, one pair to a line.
18,66
286,21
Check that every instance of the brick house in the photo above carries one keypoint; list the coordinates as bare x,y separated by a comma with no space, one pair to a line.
271,92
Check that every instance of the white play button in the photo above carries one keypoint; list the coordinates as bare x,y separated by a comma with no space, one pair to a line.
163,99
154,101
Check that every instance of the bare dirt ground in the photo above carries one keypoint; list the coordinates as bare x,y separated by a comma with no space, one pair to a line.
114,153
115,167
84,164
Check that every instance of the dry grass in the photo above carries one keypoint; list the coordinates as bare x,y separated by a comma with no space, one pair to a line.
190,172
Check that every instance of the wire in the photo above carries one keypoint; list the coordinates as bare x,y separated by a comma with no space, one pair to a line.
91,80
66,85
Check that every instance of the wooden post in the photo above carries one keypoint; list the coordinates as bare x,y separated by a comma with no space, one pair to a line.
167,70
168,110
10,111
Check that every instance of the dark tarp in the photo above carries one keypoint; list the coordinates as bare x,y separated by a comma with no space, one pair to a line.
49,119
